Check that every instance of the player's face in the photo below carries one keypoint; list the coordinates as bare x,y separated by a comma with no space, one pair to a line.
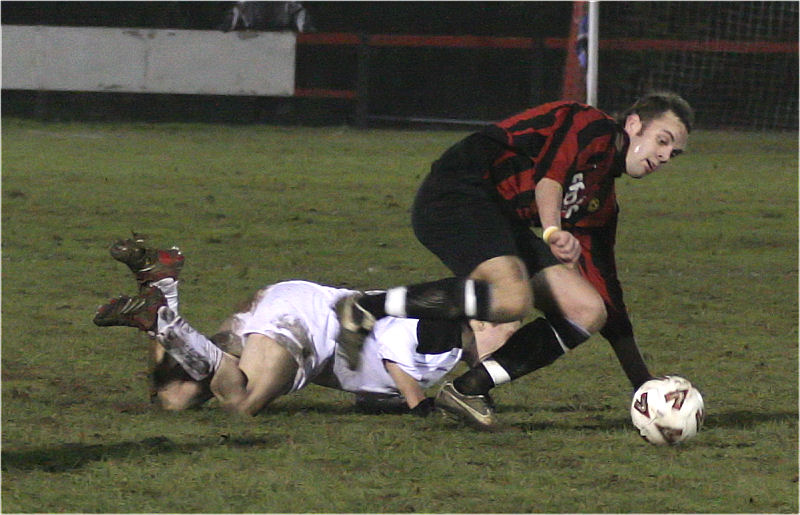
653,144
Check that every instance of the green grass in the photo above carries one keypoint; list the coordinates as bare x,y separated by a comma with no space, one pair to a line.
707,253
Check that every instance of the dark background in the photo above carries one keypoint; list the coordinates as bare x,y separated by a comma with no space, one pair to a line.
479,18
443,83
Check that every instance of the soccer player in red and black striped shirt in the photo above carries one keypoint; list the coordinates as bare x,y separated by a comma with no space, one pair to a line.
552,166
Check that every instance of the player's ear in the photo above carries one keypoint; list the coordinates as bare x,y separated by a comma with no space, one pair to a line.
633,124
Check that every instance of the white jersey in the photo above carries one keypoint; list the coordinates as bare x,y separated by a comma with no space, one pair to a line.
393,339
300,316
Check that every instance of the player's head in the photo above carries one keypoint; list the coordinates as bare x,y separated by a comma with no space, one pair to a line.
658,126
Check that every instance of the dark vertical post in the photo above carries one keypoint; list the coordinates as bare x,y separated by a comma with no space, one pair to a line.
362,83
537,66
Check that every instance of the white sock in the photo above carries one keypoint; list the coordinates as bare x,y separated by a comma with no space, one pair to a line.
195,353
169,287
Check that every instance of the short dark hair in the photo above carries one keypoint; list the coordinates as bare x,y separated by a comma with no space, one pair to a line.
656,103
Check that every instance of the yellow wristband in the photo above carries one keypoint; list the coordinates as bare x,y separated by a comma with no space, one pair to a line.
549,232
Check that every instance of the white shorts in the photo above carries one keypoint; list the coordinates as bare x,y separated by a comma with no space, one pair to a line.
299,316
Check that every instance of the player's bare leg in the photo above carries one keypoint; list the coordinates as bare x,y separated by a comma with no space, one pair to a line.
497,291
265,371
574,310
511,297
562,289
170,386
484,338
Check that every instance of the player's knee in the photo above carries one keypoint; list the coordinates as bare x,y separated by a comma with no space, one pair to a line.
583,305
511,297
170,403
561,290
175,398
244,409
588,312
248,406
595,315
510,307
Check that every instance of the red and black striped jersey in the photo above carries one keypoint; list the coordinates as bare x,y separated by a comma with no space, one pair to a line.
574,144
583,149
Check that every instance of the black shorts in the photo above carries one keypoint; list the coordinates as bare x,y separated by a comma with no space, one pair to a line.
458,218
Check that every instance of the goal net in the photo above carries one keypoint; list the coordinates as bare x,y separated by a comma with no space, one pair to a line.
736,62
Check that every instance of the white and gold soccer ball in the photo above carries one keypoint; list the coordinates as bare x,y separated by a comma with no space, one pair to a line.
667,410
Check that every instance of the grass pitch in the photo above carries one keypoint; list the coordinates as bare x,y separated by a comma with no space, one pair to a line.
707,254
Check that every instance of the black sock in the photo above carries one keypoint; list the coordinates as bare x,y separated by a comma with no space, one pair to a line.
449,299
533,346
438,336
476,381
374,303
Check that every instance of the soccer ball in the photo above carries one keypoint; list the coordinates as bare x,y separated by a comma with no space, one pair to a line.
667,410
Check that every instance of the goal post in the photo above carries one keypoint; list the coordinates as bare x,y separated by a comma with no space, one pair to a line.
592,51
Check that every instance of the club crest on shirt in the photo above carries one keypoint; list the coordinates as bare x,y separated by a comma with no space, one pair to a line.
594,205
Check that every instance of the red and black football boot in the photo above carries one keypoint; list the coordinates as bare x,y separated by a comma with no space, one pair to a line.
148,264
140,311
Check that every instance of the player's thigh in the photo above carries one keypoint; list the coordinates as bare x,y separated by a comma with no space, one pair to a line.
564,291
269,367
229,383
557,288
509,274
454,217
511,294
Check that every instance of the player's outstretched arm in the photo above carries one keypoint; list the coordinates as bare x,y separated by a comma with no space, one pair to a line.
564,245
619,333
631,360
264,372
408,386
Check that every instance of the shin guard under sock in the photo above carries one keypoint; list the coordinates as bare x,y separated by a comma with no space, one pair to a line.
192,350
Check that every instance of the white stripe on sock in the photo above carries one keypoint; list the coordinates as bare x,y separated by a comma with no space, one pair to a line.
496,372
558,337
470,299
395,304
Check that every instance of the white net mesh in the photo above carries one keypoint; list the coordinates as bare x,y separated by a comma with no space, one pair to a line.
736,62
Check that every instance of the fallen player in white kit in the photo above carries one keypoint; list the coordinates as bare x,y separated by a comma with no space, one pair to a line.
282,342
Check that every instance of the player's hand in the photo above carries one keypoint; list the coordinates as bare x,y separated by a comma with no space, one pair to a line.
424,408
565,247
